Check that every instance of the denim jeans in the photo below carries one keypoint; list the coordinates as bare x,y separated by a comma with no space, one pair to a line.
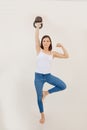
39,81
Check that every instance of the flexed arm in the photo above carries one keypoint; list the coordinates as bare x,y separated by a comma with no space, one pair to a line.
60,55
37,41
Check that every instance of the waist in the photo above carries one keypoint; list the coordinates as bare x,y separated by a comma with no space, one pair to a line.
43,71
41,76
42,68
36,73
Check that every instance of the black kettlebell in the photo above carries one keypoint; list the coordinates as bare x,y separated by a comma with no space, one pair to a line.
38,19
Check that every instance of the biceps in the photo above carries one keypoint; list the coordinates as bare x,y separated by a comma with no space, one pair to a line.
59,55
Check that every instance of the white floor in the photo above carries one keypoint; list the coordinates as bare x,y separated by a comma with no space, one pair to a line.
19,111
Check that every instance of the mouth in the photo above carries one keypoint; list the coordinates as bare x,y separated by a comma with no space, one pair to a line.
46,46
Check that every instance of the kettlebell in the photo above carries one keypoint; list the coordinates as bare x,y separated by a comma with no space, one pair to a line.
38,19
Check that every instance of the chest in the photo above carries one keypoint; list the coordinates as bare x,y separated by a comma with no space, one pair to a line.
44,57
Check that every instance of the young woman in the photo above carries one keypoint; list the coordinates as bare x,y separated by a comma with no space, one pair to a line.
45,55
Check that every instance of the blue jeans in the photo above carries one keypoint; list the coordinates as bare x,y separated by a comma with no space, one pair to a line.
39,81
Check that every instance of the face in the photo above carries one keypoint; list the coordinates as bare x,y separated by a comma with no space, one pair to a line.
46,43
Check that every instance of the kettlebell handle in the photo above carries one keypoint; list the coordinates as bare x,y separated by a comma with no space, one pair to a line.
38,19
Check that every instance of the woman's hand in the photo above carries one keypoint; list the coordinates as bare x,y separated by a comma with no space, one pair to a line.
59,45
38,25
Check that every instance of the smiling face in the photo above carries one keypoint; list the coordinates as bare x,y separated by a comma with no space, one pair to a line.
46,43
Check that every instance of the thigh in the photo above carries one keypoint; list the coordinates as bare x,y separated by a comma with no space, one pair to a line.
38,81
53,80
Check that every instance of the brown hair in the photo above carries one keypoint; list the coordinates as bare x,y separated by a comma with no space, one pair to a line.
46,36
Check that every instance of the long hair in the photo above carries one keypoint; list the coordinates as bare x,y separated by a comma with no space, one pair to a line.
46,36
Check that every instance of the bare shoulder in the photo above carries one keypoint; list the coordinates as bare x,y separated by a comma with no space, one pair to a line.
53,53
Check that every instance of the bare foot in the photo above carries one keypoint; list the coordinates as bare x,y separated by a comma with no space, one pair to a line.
45,93
42,120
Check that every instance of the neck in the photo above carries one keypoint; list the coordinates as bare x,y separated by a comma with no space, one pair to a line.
46,49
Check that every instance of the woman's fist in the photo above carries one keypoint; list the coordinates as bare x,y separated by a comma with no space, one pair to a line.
58,45
38,25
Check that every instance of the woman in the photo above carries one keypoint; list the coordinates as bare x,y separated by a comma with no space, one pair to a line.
45,55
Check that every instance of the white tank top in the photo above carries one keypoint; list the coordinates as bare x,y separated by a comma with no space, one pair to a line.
44,63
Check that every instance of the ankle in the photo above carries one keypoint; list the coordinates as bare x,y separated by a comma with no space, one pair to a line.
47,92
42,115
42,120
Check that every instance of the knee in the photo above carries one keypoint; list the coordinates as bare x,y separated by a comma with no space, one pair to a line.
64,86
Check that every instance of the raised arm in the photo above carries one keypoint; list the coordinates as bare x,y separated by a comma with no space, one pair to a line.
60,55
37,41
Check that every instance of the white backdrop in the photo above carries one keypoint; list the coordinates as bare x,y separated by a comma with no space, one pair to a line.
65,22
